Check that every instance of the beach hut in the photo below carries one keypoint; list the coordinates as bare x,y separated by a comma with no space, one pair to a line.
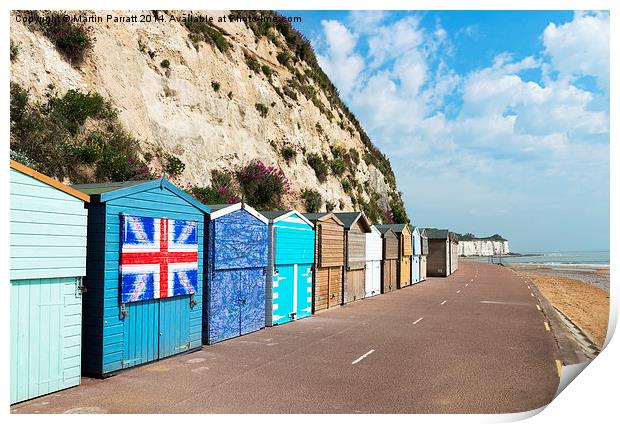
48,260
288,293
405,248
439,263
356,226
423,253
415,258
143,298
374,257
328,259
389,264
454,252
235,272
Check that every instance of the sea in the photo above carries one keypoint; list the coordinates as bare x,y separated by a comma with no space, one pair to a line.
594,258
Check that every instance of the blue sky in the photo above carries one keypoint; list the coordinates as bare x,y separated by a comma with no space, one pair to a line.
494,122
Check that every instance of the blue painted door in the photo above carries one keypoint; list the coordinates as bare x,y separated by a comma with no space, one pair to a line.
173,325
304,290
252,295
283,294
141,333
224,314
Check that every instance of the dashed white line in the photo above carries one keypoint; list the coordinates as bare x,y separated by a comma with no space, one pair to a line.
532,294
547,326
458,291
538,307
418,320
362,357
444,302
466,284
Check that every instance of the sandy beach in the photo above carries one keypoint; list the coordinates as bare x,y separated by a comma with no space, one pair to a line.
581,293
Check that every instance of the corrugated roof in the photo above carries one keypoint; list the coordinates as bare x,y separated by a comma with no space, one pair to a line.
107,187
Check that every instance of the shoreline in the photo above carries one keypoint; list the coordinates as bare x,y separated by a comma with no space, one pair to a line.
580,293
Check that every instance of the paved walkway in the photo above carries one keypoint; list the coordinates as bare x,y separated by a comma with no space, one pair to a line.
474,342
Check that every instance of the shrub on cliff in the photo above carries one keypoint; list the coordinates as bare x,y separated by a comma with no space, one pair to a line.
72,39
312,200
318,165
262,186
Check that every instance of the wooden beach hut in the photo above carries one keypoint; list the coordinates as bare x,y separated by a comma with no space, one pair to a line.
288,293
356,226
144,271
415,258
405,250
442,252
328,261
374,257
423,253
389,264
236,265
48,261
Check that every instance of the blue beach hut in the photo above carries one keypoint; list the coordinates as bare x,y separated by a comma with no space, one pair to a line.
416,239
288,294
235,272
143,275
48,261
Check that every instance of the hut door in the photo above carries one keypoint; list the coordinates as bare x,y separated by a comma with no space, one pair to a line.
304,290
251,299
173,325
283,294
224,315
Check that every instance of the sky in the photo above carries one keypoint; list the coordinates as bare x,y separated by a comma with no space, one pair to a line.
493,121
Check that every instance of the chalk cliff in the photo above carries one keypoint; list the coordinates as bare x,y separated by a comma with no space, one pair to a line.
203,106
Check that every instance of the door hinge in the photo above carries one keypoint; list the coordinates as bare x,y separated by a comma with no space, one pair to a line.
81,288
124,312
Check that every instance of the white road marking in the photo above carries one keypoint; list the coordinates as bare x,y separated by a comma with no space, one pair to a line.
458,291
538,307
362,357
547,326
418,320
532,294
471,281
443,302
466,284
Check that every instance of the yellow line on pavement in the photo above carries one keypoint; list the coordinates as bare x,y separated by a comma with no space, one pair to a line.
558,367
547,326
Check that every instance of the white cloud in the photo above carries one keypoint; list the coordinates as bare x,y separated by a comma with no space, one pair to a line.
580,47
509,141
341,62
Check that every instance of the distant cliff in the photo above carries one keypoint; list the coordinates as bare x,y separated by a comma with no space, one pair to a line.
470,245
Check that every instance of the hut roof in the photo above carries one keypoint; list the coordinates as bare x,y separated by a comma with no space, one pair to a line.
397,228
350,218
218,210
321,216
104,192
275,216
49,180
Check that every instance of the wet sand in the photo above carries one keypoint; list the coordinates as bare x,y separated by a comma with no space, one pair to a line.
582,294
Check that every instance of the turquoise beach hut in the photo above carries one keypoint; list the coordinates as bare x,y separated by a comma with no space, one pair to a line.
143,276
288,289
48,261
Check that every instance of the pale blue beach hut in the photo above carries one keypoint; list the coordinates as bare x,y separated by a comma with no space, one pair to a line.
48,261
